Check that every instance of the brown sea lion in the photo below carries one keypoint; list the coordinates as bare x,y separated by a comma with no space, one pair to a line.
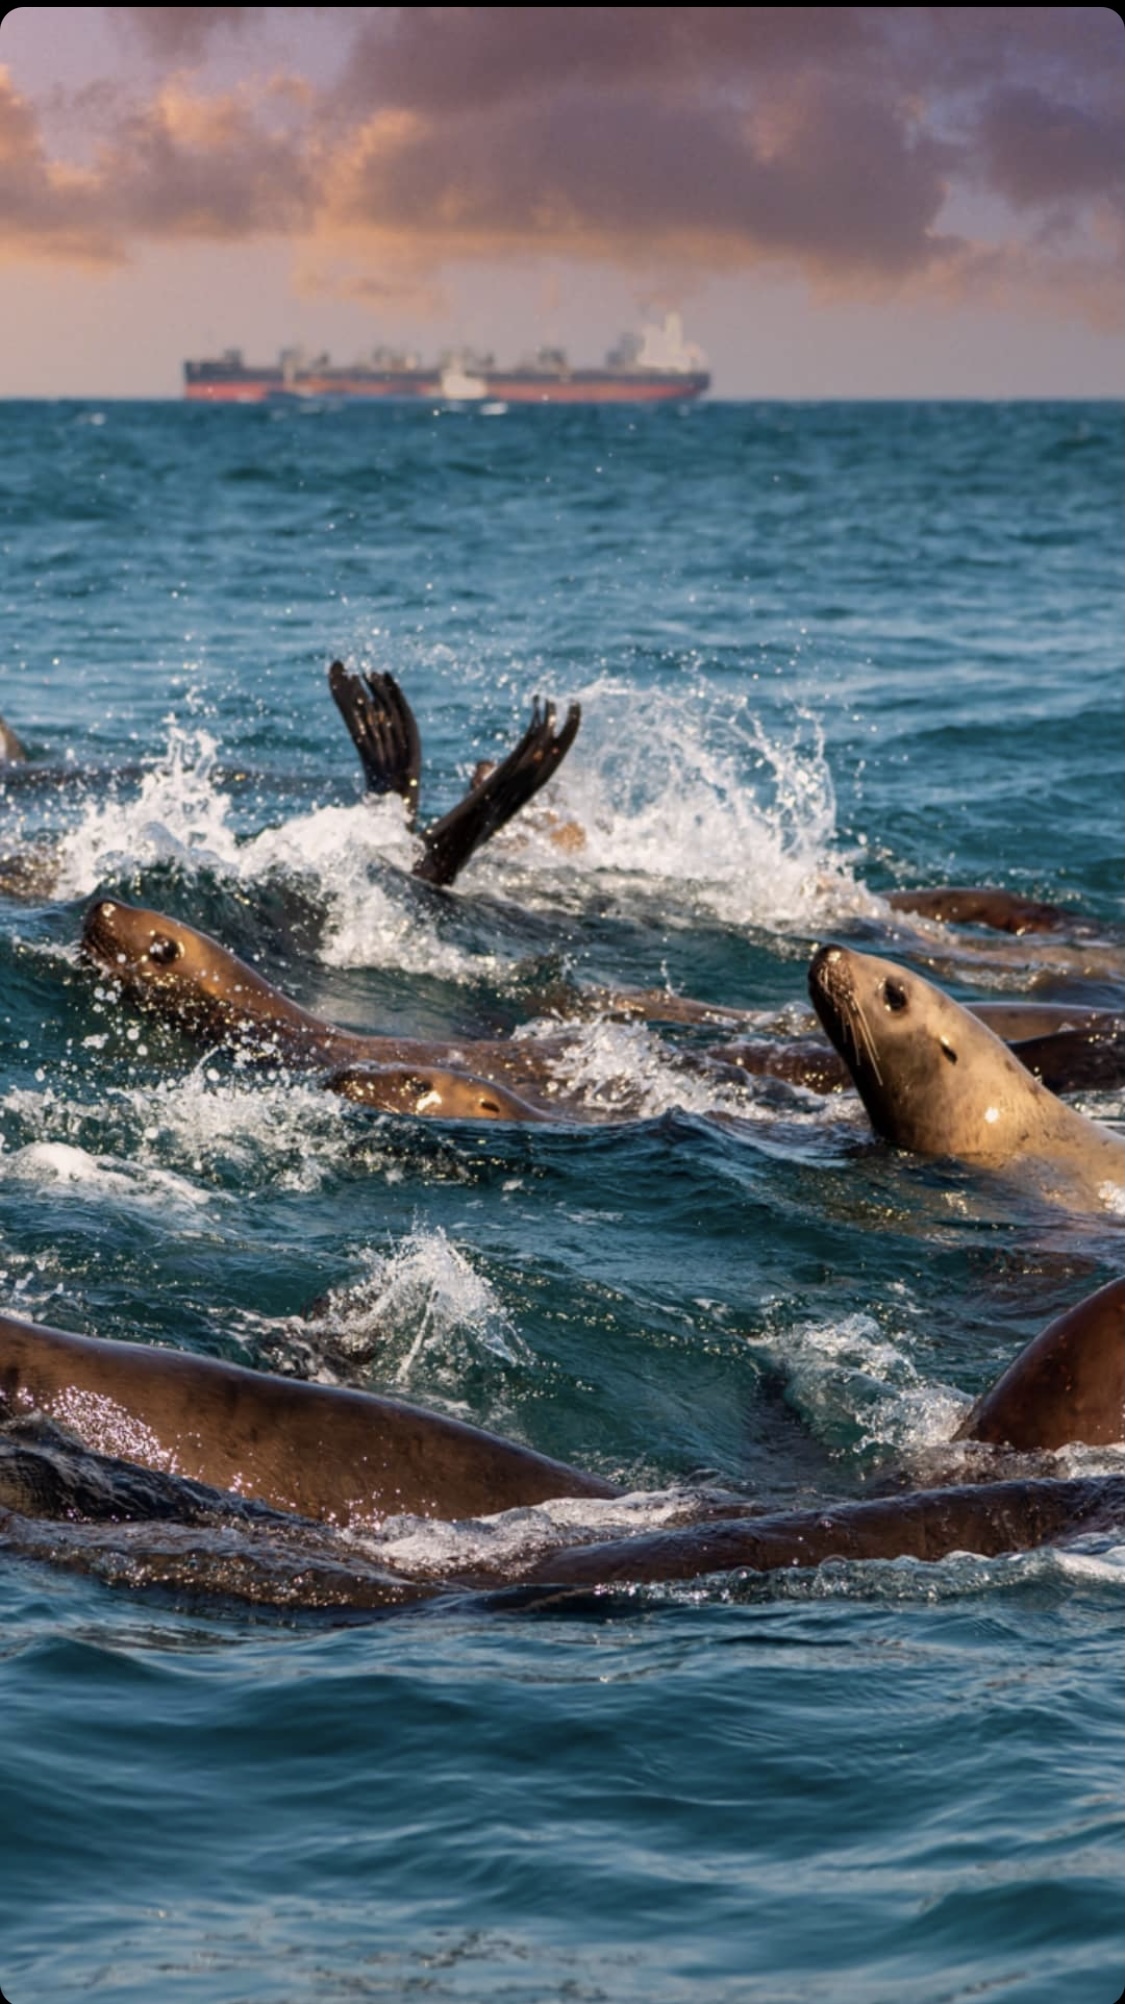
12,751
288,1564
1091,1059
335,1455
1021,1021
983,904
1068,1384
152,1436
1013,1021
189,980
935,1080
984,1518
385,734
447,1095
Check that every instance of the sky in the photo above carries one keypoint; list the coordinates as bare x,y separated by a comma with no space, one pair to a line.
841,202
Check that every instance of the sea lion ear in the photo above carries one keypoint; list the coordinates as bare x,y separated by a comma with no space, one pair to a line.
947,1050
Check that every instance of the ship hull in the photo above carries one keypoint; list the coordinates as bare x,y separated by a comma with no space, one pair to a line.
207,383
596,389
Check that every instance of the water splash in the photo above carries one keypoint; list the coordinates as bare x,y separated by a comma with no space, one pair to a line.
693,799
693,793
179,816
60,1165
624,1069
422,1307
183,1137
858,1389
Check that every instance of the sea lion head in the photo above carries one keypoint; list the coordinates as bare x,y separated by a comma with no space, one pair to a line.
179,974
932,1077
429,1089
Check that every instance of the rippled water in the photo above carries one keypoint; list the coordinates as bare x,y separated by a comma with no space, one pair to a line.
821,651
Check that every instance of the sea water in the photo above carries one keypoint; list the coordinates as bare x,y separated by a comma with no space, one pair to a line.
821,651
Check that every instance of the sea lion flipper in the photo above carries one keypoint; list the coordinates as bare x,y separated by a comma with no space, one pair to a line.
452,840
384,731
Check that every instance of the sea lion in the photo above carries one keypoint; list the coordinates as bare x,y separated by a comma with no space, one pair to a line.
983,904
385,734
1090,1059
935,1080
985,1518
190,980
335,1455
1021,1021
287,1563
448,1095
1067,1384
12,752
218,1479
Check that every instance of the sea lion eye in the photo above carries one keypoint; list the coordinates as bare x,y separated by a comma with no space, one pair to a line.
894,995
164,950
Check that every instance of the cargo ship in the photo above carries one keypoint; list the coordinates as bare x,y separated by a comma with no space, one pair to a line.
655,366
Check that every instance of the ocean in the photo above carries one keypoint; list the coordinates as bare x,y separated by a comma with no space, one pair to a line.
822,651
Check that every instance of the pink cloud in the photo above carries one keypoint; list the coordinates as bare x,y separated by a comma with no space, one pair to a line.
829,141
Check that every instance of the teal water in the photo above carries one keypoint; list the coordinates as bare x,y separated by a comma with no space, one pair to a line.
821,651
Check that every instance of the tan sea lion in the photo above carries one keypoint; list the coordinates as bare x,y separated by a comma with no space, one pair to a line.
935,1080
448,1095
335,1455
191,981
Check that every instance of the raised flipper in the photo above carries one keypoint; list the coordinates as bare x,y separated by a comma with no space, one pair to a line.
452,840
383,730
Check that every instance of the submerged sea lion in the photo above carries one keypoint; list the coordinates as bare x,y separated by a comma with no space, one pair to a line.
935,1080
191,981
385,733
984,1518
448,1095
983,904
335,1455
287,1563
215,1479
1089,1059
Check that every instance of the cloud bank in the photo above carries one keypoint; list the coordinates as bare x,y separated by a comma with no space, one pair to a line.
964,150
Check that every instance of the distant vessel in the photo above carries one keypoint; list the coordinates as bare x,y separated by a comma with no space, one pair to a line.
655,366
230,380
